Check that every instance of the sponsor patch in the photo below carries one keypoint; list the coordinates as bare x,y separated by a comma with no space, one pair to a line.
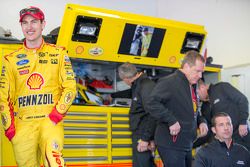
43,61
42,54
53,55
4,119
239,162
23,72
3,70
22,62
35,100
62,107
216,101
20,56
20,68
55,145
54,61
1,107
35,81
57,157
96,51
68,97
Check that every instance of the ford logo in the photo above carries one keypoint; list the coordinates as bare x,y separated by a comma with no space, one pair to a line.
22,62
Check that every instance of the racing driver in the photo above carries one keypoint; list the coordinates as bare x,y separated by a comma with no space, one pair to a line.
37,86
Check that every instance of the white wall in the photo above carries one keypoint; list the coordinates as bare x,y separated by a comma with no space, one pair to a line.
227,21
54,9
239,76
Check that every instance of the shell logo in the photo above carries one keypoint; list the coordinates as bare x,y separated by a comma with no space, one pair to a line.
35,81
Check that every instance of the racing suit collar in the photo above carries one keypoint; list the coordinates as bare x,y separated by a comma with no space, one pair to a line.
33,49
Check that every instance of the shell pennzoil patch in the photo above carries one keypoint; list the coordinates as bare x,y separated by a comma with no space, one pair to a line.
35,81
68,97
96,51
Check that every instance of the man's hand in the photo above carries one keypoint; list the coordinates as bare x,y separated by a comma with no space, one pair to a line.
203,129
175,129
55,116
142,146
151,145
243,131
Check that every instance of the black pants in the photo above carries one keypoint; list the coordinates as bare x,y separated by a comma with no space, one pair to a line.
141,159
175,158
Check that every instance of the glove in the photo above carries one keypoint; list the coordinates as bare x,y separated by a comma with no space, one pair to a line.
55,116
10,132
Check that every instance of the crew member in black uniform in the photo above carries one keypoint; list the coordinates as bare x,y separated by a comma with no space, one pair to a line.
142,124
173,104
223,97
222,152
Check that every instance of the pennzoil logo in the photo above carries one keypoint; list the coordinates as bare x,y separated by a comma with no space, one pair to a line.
96,51
35,100
35,81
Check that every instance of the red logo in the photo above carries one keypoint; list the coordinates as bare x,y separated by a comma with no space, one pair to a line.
57,156
35,81
22,72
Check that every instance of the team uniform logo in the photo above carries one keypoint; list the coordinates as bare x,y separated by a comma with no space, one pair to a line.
34,100
20,56
68,97
22,62
35,81
23,72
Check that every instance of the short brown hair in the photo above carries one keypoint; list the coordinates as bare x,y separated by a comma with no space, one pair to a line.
219,114
191,57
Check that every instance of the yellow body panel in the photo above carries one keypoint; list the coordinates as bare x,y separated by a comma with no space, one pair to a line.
112,29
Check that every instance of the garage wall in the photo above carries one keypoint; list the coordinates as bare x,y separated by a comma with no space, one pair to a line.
227,21
54,9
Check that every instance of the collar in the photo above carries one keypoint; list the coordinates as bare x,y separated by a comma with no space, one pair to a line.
33,49
182,76
223,144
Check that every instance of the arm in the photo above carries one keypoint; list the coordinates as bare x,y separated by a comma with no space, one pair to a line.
148,124
7,95
242,105
68,86
239,99
159,96
122,94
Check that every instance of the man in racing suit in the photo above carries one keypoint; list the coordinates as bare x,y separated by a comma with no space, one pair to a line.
37,83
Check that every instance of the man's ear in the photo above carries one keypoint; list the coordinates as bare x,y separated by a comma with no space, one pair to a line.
213,130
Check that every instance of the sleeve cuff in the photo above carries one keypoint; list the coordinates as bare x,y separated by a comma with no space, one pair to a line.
55,116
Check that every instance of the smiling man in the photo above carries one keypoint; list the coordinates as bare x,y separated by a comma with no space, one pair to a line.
37,83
